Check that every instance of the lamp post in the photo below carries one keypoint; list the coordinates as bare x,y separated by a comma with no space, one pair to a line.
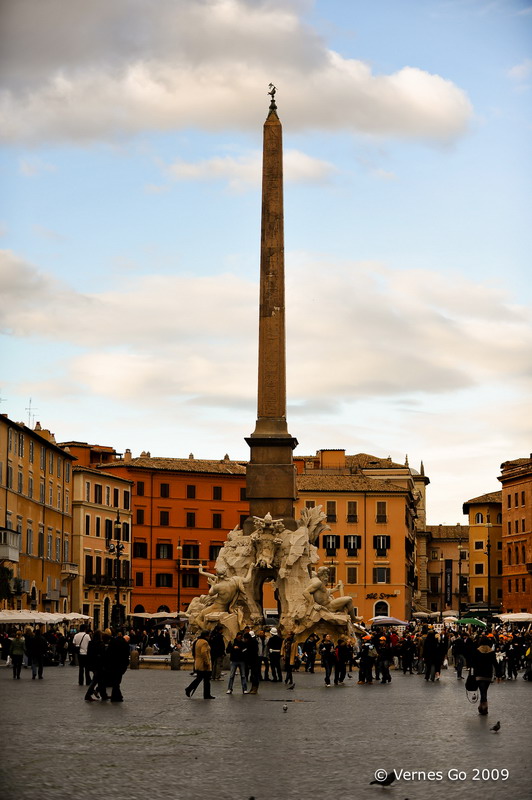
117,613
442,587
487,551
179,551
460,548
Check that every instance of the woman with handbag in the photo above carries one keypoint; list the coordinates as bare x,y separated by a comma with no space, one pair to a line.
484,663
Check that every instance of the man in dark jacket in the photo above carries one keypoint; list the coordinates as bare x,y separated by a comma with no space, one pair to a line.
36,648
217,645
116,662
274,646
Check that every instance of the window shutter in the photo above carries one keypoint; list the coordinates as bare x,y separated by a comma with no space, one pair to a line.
358,542
374,574
375,542
337,541
388,574
387,542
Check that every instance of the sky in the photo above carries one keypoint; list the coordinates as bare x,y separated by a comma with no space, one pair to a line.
131,137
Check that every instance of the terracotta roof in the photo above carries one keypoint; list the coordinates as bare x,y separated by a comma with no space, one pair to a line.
322,482
366,461
448,531
490,497
100,472
222,466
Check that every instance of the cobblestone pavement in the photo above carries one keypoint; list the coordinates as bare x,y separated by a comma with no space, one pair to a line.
328,744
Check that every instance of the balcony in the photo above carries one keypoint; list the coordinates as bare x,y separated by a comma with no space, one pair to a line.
53,594
98,579
69,570
9,545
193,562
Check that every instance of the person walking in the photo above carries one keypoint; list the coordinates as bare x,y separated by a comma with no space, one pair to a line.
116,662
341,660
289,655
484,663
252,660
262,641
309,650
384,659
96,659
36,648
16,651
237,655
80,643
202,667
328,658
366,659
274,646
217,646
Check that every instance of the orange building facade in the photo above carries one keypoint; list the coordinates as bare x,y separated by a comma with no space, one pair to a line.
447,568
182,510
516,480
373,508
485,552
36,518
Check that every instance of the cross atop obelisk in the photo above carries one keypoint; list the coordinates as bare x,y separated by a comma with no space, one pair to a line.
270,482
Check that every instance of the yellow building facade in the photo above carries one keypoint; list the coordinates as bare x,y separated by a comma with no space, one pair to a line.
485,552
36,518
101,510
373,507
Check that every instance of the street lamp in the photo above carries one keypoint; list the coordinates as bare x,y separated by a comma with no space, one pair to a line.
442,588
179,551
487,552
117,613
460,548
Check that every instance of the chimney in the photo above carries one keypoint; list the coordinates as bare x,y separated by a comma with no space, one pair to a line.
127,455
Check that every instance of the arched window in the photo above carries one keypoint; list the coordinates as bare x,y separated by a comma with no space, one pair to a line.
479,518
163,608
381,609
138,610
499,519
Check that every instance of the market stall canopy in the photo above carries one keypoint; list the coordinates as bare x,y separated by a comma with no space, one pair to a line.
43,617
517,617
471,621
162,615
387,621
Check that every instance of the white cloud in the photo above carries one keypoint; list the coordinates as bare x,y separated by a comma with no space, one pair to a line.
410,333
86,71
32,167
522,71
245,171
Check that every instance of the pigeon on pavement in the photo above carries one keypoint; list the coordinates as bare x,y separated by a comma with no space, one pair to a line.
390,777
496,727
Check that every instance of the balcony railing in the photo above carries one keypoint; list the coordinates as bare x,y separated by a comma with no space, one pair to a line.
9,545
99,579
193,562
68,568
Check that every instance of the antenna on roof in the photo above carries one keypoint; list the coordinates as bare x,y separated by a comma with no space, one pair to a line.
31,416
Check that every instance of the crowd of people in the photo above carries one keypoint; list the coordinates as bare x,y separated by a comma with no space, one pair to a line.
264,656
102,656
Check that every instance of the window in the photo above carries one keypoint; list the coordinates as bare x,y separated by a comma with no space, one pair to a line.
191,519
516,498
50,462
516,555
352,515
381,512
40,551
67,502
163,550
20,482
98,565
479,569
50,495
164,517
332,574
140,550
214,550
463,554
49,546
243,493
116,498
108,529
139,579
479,545
479,594
190,580
30,487
351,575
510,556
88,566
510,585
499,518
523,584
10,478
97,527
523,550
42,458
140,492
331,543
98,493
140,516
87,525
216,492
310,504
509,501
191,492
58,549
67,472
66,550
434,584
509,526
87,492
499,567
164,579
191,551
107,495
216,520
352,544
479,518
32,449
516,526
29,541
125,531
522,497
434,555
164,490
381,575
381,545
331,511
523,526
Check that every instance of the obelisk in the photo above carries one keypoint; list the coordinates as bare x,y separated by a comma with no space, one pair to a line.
270,480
